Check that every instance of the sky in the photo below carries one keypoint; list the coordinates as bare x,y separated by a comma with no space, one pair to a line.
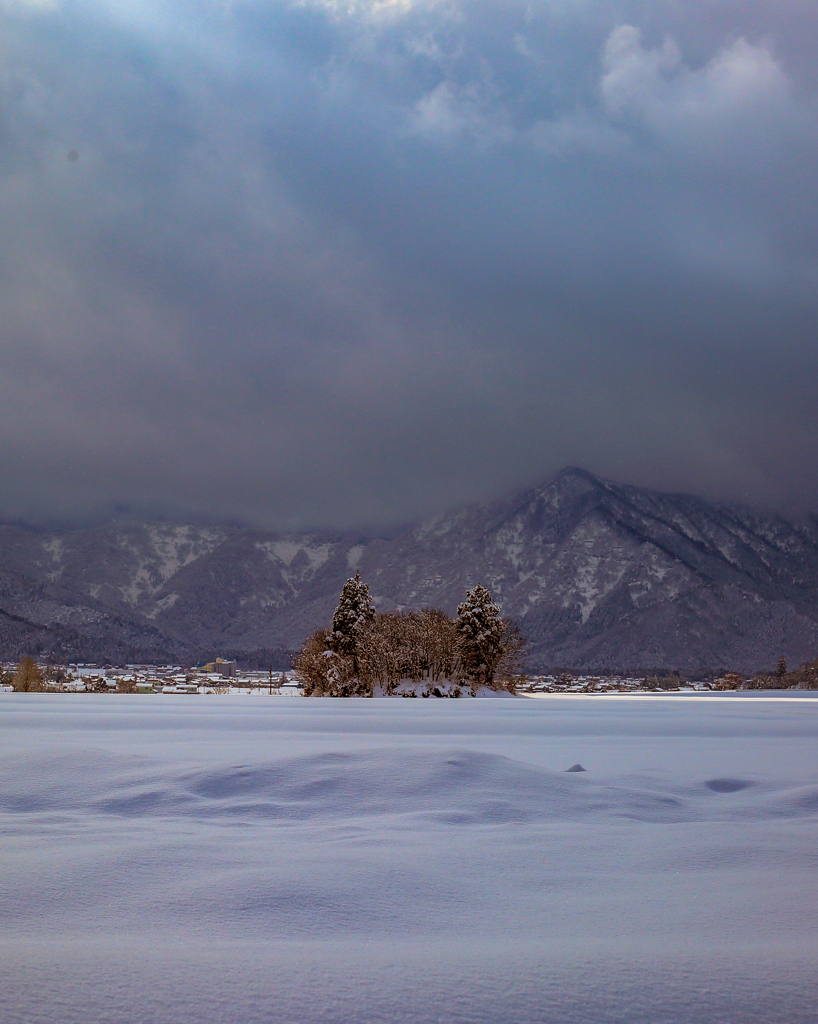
344,265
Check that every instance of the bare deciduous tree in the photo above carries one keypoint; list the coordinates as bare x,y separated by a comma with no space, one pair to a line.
28,676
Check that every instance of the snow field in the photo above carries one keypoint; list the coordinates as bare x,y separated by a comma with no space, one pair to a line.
353,860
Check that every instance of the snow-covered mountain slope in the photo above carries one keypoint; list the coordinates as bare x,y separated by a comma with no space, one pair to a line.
184,591
600,576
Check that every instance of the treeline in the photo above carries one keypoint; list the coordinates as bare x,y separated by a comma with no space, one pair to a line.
805,677
362,650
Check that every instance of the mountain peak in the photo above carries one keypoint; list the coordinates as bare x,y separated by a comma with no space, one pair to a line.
575,472
571,481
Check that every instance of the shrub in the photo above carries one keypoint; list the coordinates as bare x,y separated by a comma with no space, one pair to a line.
728,681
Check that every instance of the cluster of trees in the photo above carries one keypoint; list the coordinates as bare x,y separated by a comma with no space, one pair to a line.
664,681
805,677
363,649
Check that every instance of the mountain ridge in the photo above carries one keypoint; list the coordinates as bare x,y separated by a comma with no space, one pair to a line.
599,575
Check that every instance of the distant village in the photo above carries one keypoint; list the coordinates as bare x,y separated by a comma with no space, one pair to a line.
217,677
223,676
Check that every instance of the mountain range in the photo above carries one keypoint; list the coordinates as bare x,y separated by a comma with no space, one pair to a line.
601,577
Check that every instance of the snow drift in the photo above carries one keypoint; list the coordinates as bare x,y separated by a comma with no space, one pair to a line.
327,861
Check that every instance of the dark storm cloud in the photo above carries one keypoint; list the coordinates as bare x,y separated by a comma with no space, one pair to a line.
350,263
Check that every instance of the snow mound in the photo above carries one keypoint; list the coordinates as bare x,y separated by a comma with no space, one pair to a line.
458,787
331,862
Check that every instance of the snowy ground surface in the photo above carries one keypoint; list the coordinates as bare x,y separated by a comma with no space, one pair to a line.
180,860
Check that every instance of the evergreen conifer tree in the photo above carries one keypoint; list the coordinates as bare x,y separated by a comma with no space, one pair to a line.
480,634
353,614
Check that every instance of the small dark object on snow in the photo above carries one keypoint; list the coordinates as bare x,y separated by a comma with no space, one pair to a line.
727,785
576,768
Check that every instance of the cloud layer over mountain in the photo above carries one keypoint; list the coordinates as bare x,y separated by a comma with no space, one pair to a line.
346,264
